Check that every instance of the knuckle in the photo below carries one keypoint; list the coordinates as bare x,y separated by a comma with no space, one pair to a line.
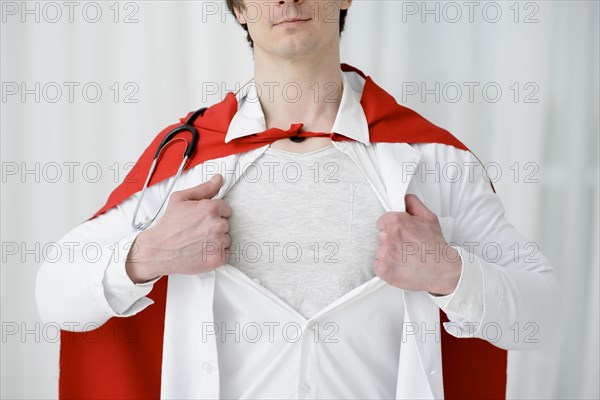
222,225
383,237
381,253
176,196
382,269
208,206
227,241
216,225
431,217
212,206
220,203
389,219
397,217
225,208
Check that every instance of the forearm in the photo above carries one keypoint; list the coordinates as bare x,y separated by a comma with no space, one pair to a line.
72,290
508,293
86,281
523,306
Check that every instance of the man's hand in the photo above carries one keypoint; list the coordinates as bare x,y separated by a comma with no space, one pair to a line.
412,253
191,237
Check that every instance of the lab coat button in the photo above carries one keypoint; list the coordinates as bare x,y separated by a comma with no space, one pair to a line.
433,372
463,304
306,388
207,367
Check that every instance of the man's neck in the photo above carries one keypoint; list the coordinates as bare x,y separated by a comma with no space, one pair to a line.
299,91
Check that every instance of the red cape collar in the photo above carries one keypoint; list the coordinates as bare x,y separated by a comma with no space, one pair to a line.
388,121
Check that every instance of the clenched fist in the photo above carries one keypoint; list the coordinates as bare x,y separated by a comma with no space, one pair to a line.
191,237
412,253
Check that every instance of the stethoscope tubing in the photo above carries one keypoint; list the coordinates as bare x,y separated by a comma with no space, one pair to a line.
190,149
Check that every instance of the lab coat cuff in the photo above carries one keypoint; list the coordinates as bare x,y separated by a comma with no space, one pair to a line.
465,304
123,295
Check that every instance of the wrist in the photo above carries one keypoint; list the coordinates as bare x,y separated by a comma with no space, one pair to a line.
449,280
136,268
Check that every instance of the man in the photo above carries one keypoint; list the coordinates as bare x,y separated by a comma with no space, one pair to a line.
355,248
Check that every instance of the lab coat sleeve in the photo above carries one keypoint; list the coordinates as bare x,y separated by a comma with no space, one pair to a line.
85,283
509,294
124,296
465,303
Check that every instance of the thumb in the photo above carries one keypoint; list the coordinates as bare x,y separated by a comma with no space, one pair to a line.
202,191
416,208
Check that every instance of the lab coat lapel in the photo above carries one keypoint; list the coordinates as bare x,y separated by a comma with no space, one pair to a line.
366,159
190,366
420,345
190,362
398,162
389,168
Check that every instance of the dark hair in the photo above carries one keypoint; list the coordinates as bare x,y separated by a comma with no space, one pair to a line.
239,4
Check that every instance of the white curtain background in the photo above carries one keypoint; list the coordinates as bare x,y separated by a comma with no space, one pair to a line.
62,153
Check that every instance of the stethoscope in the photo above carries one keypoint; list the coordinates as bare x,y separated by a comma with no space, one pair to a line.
190,148
189,152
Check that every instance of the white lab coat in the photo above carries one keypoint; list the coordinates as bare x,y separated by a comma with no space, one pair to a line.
511,297
515,292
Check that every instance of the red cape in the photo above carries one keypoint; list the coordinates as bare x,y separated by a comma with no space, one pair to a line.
123,358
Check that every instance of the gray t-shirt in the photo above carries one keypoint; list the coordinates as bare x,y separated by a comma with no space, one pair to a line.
304,226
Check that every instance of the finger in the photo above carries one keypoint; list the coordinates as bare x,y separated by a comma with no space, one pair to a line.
222,226
225,257
384,238
388,219
227,224
225,210
204,190
416,208
227,241
382,270
382,221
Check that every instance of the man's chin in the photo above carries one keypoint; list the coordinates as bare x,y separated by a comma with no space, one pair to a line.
295,50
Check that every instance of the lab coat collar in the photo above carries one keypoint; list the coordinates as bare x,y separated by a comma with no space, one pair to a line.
350,120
